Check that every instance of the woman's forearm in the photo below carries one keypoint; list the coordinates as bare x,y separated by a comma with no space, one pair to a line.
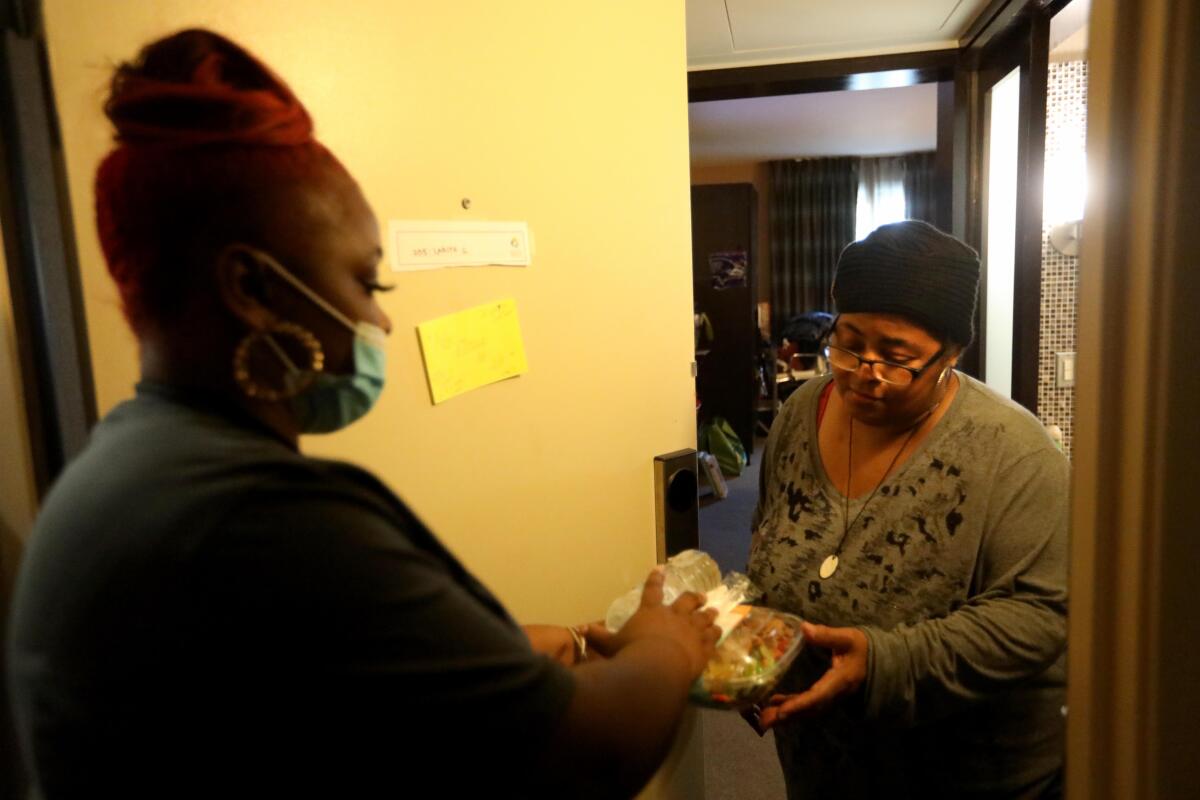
622,717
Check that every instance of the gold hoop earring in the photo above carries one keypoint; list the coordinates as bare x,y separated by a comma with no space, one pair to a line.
241,357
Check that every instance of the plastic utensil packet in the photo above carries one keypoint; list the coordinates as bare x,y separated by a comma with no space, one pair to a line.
729,599
687,571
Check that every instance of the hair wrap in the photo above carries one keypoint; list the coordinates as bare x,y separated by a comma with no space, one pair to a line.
203,131
197,87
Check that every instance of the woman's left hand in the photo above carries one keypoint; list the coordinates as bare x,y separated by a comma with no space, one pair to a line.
844,676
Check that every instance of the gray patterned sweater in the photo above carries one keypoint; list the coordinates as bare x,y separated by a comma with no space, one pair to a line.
957,574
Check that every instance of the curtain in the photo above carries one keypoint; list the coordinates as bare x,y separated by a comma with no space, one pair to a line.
918,187
811,218
880,194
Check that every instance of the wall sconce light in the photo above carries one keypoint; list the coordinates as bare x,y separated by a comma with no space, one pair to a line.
1064,237
1063,201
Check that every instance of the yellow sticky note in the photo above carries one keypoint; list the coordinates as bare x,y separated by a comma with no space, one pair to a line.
472,348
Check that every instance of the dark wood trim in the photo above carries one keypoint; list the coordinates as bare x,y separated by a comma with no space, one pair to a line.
974,77
982,71
39,245
943,161
1003,17
1031,157
1022,44
1049,9
802,77
965,188
991,22
965,217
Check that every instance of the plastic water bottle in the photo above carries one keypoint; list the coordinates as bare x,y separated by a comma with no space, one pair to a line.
687,571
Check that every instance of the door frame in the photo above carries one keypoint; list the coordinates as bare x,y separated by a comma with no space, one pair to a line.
1133,631
39,249
1009,34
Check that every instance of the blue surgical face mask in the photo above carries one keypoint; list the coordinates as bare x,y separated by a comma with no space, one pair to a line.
328,402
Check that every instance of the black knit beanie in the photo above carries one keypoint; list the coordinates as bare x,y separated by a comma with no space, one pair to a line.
914,270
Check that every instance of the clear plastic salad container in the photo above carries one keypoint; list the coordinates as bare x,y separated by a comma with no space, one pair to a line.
757,646
750,660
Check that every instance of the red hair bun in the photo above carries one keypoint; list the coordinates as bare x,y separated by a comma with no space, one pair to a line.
197,87
204,133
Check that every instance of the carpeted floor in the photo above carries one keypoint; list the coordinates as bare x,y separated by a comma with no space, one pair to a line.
737,763
725,524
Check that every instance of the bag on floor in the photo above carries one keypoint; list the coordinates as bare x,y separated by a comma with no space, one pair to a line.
712,472
718,437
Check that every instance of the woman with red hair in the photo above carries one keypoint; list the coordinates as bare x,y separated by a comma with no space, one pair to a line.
205,611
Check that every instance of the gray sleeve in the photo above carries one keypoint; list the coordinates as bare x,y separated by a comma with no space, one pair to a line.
1013,627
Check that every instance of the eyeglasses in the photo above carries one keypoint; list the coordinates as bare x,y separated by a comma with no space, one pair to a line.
886,371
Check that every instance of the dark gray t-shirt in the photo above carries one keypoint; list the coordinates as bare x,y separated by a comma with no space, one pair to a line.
956,570
204,611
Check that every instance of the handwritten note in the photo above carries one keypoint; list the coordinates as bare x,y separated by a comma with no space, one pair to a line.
433,244
472,348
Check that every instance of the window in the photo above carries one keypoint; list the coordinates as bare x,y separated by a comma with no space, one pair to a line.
880,194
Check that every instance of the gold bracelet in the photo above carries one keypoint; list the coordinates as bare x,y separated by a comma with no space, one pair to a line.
581,653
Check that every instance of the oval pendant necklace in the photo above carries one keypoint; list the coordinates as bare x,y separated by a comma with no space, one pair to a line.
830,564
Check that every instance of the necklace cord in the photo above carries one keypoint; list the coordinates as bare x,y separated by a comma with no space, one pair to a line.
846,524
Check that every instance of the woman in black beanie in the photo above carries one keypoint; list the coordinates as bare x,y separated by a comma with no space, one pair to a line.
918,520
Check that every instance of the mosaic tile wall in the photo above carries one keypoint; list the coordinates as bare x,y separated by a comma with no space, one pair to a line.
1066,120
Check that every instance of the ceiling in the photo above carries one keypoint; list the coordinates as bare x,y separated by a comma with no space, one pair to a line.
731,33
1068,31
863,123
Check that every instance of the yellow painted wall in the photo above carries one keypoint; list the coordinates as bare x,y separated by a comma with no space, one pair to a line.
570,116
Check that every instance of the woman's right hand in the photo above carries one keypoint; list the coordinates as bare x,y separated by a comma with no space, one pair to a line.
684,623
643,676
